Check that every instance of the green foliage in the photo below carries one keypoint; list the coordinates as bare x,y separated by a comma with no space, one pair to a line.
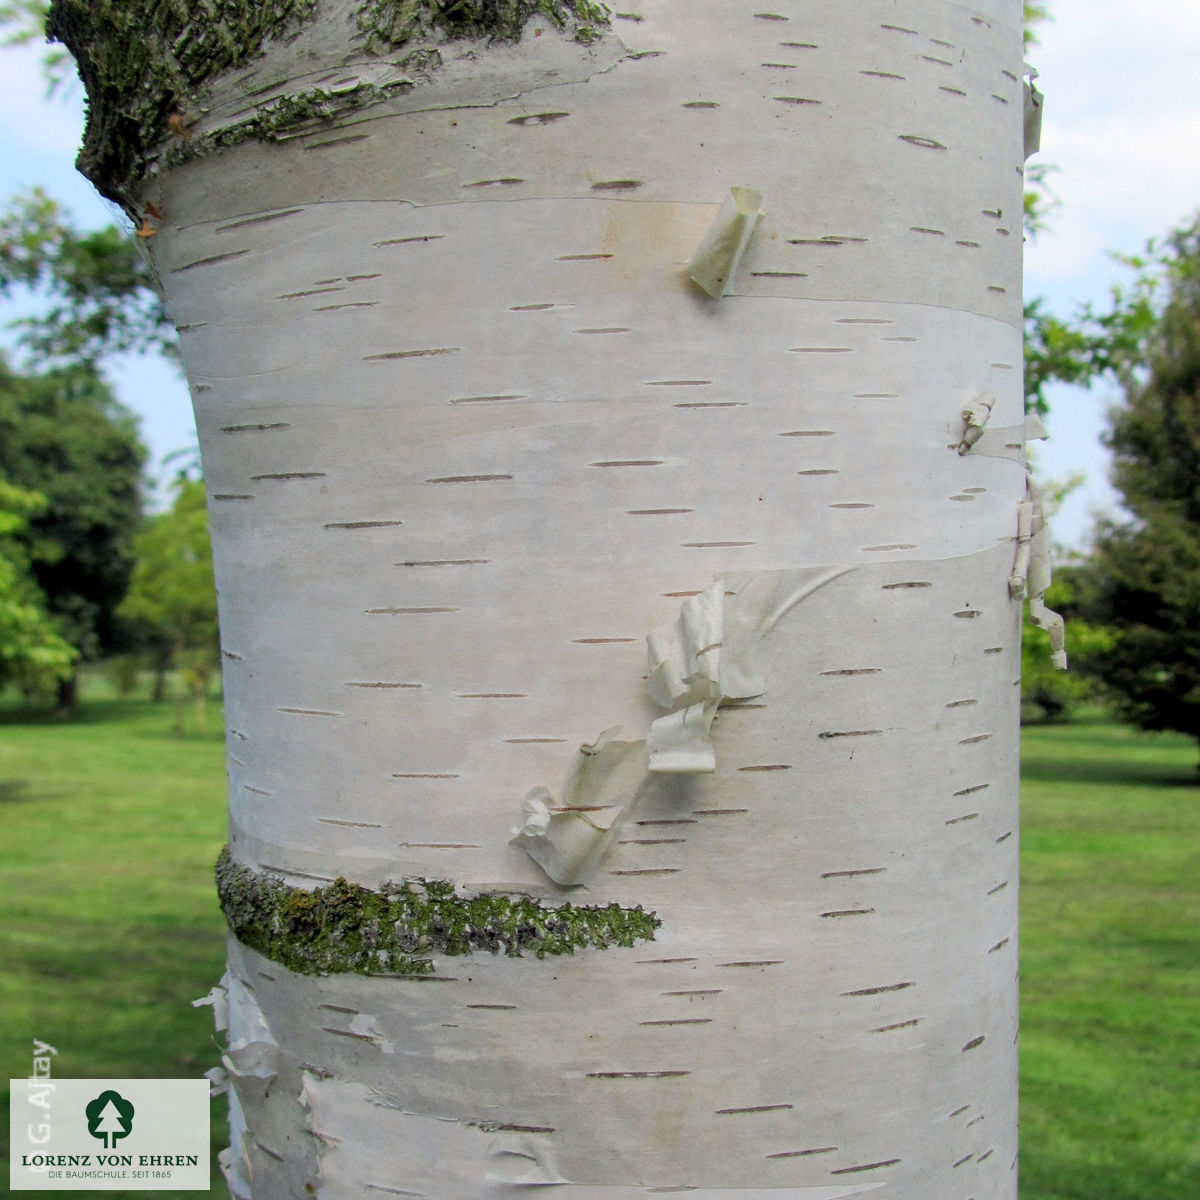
1047,694
63,436
31,652
1147,570
98,287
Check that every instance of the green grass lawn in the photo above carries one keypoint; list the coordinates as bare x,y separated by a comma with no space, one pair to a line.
112,822
1110,964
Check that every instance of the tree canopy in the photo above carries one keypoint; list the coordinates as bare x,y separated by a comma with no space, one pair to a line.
1146,570
64,436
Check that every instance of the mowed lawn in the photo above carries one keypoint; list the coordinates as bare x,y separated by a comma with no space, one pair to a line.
112,822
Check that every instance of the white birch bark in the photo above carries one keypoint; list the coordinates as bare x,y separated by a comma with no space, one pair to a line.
470,434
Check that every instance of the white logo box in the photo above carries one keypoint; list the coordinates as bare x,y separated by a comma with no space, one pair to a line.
109,1135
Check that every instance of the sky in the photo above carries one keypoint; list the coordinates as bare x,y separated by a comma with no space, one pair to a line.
1121,127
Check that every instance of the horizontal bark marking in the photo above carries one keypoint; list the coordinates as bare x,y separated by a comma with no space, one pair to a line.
986,1155
848,912
269,1152
968,614
636,1074
546,118
618,185
974,1043
649,871
961,703
718,812
965,817
875,1166
696,992
821,350
581,257
340,141
404,241
882,74
255,791
342,1008
993,650
298,874
796,100
953,91
348,304
349,1033
1004,837
854,505
779,274
966,244
716,545
492,696
361,524
533,741
506,181
652,842
819,471
424,775
230,655
606,329
469,479
958,1112
494,1007
602,641
761,962
356,278
927,229
805,433
263,220
800,45
678,383
849,671
768,767
854,872
213,261
350,824
998,946
998,888
971,741
287,475
629,462
967,791
310,712
899,29
924,142
667,821
443,562
735,707
941,62
779,66
804,1153
712,404
658,962
752,1108
256,428
393,1191
997,289
840,733
402,612
431,352
380,684
488,1127
320,291
879,991
486,399
681,1021
657,512
769,16
898,1025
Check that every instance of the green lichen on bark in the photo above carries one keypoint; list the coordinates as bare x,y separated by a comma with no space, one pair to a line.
397,929
143,61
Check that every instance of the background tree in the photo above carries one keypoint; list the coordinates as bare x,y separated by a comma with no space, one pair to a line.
171,604
64,436
32,654
1146,570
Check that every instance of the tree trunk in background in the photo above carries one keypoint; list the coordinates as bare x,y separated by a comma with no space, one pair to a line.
470,434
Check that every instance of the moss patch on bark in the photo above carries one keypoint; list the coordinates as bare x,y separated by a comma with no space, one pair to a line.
145,63
397,930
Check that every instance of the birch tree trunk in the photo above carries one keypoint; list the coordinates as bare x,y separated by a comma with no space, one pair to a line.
471,433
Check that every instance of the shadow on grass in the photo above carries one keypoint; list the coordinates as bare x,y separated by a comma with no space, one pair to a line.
1110,773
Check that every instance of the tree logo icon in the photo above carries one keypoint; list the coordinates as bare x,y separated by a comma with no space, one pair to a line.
109,1117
